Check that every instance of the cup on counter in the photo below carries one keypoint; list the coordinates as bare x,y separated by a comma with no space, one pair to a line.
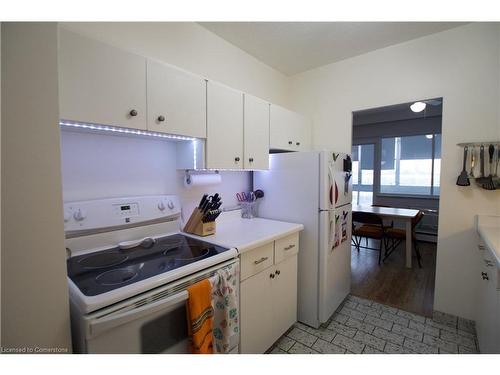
248,209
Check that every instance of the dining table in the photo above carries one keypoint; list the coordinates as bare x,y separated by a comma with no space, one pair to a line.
397,214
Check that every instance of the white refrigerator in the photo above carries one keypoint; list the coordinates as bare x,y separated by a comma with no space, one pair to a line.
315,189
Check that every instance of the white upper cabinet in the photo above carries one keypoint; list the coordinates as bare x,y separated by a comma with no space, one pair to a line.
256,133
289,130
100,84
224,146
176,101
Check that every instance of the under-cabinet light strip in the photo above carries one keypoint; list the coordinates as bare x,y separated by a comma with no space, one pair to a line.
115,129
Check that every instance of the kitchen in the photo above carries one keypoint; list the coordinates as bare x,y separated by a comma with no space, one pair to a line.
99,166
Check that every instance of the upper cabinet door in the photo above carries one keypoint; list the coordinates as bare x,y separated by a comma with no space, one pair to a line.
281,128
176,101
224,127
101,84
303,133
256,133
289,130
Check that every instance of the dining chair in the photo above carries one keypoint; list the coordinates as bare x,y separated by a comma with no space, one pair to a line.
368,225
398,235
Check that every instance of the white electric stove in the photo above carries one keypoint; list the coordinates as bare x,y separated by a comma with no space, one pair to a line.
128,271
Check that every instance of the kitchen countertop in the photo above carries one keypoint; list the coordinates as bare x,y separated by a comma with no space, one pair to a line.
246,234
488,228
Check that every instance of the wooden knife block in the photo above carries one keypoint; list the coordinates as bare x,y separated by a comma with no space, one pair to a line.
195,226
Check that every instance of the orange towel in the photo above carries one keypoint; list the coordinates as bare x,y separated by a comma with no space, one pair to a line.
200,317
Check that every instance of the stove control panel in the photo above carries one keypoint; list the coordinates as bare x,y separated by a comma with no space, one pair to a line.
117,212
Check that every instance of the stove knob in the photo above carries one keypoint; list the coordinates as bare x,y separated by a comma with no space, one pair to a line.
171,205
161,206
79,215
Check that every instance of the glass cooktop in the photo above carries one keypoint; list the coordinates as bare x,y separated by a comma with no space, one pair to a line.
106,270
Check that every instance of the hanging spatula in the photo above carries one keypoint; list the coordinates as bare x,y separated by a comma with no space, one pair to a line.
496,179
463,179
482,178
488,183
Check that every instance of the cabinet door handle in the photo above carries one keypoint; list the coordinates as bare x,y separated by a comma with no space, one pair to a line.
133,113
161,118
289,247
271,276
237,159
290,142
484,276
263,259
277,272
297,143
250,160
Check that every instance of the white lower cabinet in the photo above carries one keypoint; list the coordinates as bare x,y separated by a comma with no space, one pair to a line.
256,312
268,297
488,314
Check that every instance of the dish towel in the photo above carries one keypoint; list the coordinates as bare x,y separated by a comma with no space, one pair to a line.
225,299
200,317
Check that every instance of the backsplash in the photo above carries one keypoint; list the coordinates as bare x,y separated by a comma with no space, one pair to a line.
98,166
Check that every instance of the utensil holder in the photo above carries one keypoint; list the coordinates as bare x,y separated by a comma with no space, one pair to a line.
195,226
248,210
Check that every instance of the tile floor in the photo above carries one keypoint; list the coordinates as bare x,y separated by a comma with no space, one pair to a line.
363,326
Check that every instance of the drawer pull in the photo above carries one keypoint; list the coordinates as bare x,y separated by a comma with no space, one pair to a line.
488,263
480,247
484,276
263,259
289,247
277,272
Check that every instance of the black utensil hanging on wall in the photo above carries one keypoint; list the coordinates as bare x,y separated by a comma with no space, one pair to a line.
463,179
488,184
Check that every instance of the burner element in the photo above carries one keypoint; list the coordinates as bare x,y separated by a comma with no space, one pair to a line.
102,260
191,258
116,277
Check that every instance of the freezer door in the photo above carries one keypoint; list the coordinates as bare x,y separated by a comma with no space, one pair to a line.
335,260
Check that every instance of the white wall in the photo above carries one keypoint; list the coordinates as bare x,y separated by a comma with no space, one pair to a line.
35,308
462,66
193,48
98,166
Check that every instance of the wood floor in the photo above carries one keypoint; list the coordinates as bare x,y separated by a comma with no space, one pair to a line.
392,283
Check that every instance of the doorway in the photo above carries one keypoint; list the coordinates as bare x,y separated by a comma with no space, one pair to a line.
396,153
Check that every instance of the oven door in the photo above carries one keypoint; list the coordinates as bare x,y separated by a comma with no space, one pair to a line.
154,327
154,322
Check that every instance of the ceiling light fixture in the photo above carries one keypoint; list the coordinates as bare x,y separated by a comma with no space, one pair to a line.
418,107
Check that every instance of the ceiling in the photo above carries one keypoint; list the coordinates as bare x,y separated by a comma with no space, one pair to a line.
294,47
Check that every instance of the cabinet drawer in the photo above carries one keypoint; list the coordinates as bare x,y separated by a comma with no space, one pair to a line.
256,260
286,247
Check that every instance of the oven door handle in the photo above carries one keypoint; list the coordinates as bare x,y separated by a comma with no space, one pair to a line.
168,304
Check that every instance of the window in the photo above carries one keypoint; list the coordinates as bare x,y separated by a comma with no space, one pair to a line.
410,165
362,174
